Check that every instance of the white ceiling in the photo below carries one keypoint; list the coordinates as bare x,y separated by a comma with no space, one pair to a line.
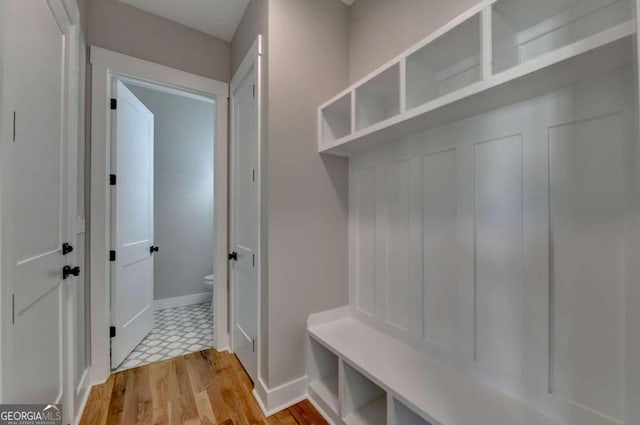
219,18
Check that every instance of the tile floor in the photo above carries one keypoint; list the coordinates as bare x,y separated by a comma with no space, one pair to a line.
176,332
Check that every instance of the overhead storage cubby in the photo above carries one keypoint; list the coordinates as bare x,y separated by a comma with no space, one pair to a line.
525,29
365,403
323,375
379,98
336,119
496,53
402,415
450,62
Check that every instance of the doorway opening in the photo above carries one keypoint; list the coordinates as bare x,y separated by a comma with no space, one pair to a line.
162,219
109,70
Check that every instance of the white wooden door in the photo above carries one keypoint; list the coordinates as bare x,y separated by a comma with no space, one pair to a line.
132,224
245,221
38,210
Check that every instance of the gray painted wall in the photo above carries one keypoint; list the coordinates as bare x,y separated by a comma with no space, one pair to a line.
83,6
254,21
126,29
183,167
382,29
307,192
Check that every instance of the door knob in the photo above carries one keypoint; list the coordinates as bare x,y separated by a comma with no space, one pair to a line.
68,271
153,249
233,256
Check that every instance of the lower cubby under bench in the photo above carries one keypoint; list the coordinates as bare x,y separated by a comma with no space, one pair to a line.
360,376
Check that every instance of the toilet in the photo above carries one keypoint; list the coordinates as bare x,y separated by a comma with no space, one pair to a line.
208,282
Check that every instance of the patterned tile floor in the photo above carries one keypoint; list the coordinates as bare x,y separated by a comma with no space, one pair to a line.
176,332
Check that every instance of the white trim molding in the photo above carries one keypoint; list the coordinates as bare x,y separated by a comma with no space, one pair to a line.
107,65
182,301
272,401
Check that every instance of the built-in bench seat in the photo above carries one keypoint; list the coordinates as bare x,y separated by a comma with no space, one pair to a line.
358,375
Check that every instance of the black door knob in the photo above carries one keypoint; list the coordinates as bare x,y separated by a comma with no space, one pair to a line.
70,271
233,256
153,249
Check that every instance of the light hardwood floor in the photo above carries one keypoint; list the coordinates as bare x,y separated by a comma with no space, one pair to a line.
204,388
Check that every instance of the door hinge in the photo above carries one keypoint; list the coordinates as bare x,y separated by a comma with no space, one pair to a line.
13,309
112,255
66,248
254,174
14,126
253,342
112,331
254,90
254,260
112,179
114,104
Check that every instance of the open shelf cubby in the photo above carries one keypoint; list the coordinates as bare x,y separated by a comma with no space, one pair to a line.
448,63
525,29
336,119
365,403
379,98
323,374
402,415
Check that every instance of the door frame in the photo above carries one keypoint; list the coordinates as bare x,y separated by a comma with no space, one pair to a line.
252,60
105,66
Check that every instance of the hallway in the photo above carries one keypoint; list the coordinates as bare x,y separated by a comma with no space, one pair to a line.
205,388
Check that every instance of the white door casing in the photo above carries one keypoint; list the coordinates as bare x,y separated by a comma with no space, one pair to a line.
106,65
39,146
132,218
245,211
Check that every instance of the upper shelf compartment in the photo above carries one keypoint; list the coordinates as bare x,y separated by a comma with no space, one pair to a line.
525,29
335,119
379,98
449,63
495,54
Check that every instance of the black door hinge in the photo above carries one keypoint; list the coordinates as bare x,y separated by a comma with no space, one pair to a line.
112,331
13,309
254,90
112,179
14,126
254,175
254,260
112,256
114,104
253,341
66,248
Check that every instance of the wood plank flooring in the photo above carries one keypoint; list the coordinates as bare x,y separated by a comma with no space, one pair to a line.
204,388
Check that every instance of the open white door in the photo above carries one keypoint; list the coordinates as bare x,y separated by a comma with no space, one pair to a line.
245,212
132,224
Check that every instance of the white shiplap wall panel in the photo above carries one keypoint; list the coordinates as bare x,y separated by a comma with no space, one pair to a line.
587,211
366,228
498,254
439,226
457,253
397,247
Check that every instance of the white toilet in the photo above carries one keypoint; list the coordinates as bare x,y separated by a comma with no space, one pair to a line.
208,282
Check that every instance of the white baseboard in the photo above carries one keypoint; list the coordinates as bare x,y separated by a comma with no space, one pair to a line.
182,301
272,401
